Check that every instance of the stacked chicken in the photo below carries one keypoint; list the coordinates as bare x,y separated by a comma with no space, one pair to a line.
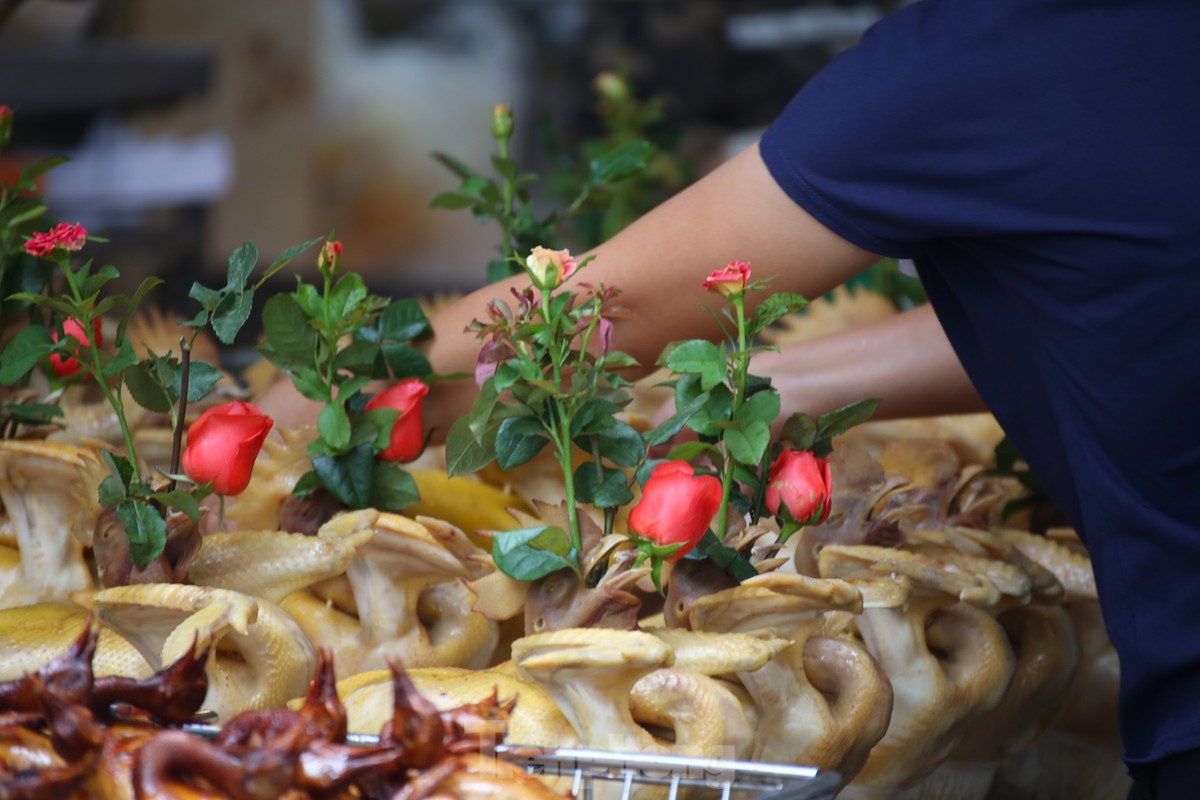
916,643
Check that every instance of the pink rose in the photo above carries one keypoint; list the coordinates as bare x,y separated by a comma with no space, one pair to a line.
676,506
730,280
66,366
222,445
550,268
63,236
802,484
408,432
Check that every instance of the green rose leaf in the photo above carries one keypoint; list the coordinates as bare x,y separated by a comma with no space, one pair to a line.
181,500
402,321
349,476
605,490
231,314
359,357
723,556
240,264
840,420
621,444
381,421
454,165
405,361
465,453
800,431
147,531
112,491
690,450
713,416
698,357
202,377
621,162
145,390
684,411
527,554
759,407
518,439
452,200
393,489
95,282
207,298
290,340
593,417
747,444
334,425
287,255
346,296
27,348
307,483
775,307
310,384
124,358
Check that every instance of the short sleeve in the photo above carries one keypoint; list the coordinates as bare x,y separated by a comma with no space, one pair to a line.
902,139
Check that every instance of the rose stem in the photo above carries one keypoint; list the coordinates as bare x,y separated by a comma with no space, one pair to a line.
185,358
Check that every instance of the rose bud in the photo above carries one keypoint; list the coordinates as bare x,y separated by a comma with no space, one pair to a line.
801,483
408,432
549,268
676,506
222,445
330,258
728,281
502,122
66,366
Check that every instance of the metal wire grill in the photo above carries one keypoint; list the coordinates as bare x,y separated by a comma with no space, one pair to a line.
593,771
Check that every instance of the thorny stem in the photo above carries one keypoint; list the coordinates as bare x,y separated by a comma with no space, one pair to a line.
185,368
330,335
506,217
562,441
740,366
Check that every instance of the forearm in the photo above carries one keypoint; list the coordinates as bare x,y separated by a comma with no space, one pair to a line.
905,360
737,212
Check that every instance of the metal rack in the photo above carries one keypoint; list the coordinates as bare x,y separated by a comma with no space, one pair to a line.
590,770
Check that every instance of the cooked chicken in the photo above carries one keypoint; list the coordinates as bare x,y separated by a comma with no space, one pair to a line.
260,658
49,494
403,597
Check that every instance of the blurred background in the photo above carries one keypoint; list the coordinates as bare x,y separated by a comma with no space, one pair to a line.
192,125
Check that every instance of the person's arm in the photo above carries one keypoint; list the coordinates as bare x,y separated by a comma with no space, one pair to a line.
735,213
905,360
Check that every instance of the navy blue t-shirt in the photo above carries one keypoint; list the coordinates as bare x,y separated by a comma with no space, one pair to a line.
1040,162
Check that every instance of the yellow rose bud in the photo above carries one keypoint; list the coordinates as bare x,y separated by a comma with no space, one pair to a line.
502,122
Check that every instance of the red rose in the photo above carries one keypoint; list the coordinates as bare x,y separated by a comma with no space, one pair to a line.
408,433
61,237
728,281
222,444
676,506
801,483
66,366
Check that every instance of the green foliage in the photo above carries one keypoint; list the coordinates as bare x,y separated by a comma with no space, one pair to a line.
155,382
554,384
333,341
603,186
